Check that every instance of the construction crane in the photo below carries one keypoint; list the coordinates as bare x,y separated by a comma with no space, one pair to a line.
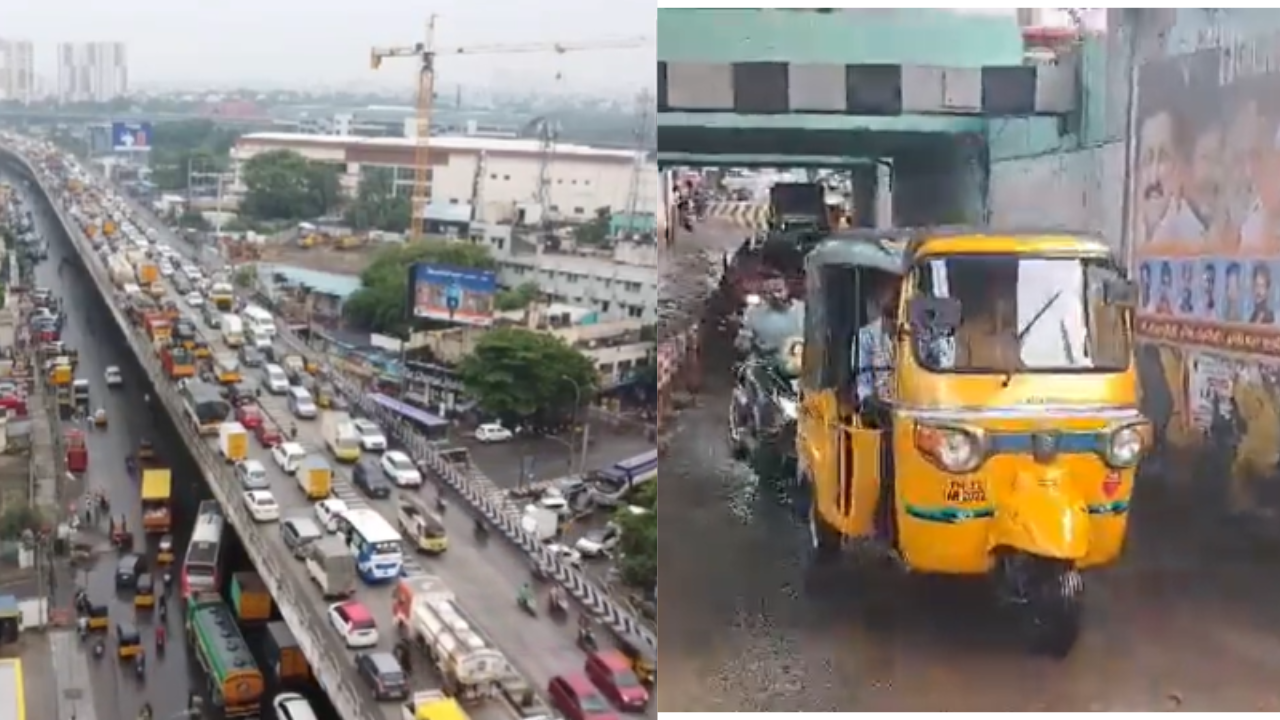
426,54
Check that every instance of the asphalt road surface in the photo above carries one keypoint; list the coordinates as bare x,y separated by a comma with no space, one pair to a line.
169,678
502,461
1187,620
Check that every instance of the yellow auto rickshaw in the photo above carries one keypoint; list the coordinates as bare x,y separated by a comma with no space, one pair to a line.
324,395
201,349
146,451
98,617
128,641
1004,439
164,553
100,417
643,660
144,592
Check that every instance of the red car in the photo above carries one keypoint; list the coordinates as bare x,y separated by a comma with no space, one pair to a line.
577,699
250,416
267,435
610,671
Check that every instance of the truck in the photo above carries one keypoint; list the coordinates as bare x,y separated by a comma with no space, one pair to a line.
232,330
250,597
178,362
148,272
285,656
423,528
540,522
157,501
223,653
315,477
226,365
470,667
331,565
233,442
340,435
432,705
121,272
798,206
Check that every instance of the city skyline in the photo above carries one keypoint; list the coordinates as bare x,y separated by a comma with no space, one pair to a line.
239,43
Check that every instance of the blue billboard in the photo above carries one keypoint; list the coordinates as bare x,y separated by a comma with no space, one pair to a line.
452,294
130,136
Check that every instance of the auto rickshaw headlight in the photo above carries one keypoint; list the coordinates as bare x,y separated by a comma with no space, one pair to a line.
1124,448
955,450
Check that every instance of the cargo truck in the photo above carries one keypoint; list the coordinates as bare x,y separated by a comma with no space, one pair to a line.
157,501
340,435
284,654
250,597
432,705
233,442
332,567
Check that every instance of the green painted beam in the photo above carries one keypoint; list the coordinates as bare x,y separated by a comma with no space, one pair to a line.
669,159
932,124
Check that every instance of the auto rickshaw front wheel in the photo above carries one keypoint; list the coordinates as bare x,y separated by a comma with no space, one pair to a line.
1048,596
825,541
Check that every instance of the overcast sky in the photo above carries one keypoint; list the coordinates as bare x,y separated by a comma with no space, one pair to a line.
325,43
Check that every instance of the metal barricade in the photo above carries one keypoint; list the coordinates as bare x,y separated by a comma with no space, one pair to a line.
313,636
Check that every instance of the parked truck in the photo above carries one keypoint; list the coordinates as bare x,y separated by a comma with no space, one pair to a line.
340,435
331,565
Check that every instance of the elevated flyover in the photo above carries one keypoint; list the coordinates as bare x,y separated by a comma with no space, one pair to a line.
485,579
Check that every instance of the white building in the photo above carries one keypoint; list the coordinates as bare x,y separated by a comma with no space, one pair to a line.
498,175
92,72
17,71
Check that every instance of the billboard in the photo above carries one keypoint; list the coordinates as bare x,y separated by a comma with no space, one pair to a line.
130,136
453,294
1204,224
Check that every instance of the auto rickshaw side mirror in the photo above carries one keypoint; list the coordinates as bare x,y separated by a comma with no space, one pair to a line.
933,314
1119,292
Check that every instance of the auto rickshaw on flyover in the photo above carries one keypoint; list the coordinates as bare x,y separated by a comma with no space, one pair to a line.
1004,439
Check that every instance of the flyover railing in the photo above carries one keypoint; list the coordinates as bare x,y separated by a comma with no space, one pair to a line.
316,637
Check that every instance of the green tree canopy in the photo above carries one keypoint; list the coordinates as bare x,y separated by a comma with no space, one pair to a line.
283,185
526,377
199,145
638,547
517,298
376,205
381,303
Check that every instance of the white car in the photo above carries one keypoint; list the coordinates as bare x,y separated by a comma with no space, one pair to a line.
354,623
372,438
113,376
262,505
599,543
287,456
400,469
328,511
166,269
192,272
252,475
492,432
194,299
292,706
566,554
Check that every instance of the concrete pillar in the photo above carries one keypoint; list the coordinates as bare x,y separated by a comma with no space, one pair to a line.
863,184
884,194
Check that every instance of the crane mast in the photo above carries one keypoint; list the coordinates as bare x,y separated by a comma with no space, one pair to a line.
426,54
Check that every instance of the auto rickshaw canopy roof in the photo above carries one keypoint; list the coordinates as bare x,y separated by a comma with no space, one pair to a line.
145,582
99,610
127,633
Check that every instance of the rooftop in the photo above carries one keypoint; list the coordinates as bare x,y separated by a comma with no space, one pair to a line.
325,283
458,143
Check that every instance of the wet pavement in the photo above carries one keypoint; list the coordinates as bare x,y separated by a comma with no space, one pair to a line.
1187,620
502,462
116,690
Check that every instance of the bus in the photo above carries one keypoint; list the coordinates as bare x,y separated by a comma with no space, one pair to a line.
200,571
610,486
206,406
234,678
375,544
259,322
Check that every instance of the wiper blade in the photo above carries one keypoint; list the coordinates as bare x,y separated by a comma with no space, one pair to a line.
1022,334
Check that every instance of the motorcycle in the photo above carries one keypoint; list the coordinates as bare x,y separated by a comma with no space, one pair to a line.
762,418
140,667
481,528
557,602
99,649
525,603
587,640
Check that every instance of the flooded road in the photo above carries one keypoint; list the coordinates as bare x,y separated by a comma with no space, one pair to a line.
1189,619
116,690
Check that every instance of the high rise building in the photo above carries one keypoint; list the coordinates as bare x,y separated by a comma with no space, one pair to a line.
92,72
17,71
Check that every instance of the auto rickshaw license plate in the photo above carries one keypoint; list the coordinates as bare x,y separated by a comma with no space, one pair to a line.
966,491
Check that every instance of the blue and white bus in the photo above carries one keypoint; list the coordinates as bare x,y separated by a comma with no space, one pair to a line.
611,485
376,545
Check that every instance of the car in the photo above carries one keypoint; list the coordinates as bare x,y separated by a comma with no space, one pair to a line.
249,415
299,532
368,476
212,316
114,377
181,284
292,706
262,505
492,432
252,475
382,672
577,699
166,269
128,568
194,299
301,404
400,469
268,435
599,543
610,671
372,439
287,456
354,623
328,511
275,379
251,356
566,554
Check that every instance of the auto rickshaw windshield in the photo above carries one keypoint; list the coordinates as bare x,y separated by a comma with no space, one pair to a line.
1021,313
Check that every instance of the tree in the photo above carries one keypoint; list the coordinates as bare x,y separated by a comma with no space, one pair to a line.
517,299
381,303
201,145
527,378
377,206
283,185
17,519
638,545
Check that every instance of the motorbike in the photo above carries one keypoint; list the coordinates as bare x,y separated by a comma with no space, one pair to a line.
557,602
525,603
99,649
481,528
140,667
763,412
587,640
